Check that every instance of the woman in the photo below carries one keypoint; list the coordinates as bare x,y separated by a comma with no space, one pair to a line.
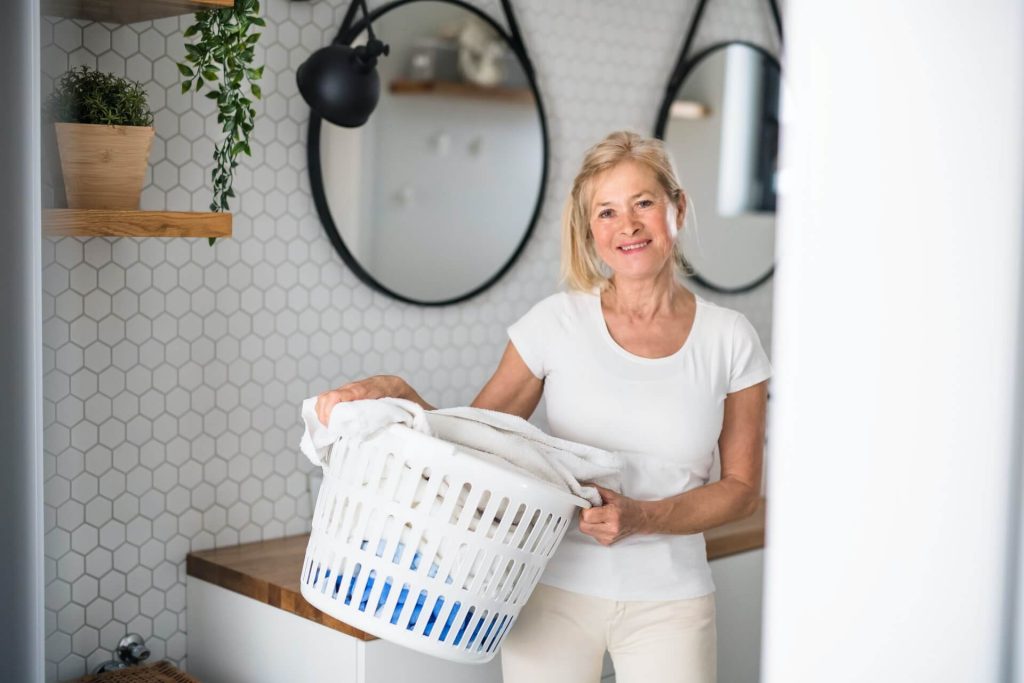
629,360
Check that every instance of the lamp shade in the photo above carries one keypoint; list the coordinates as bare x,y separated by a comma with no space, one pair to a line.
340,83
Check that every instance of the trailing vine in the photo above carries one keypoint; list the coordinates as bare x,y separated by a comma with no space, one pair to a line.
222,60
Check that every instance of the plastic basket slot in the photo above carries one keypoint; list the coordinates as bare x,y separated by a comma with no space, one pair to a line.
440,507
524,586
397,602
325,504
383,538
470,506
449,620
346,531
538,534
332,526
496,638
489,577
375,472
339,579
405,492
348,582
508,588
426,494
471,568
349,468
369,517
417,610
547,548
482,645
484,523
524,528
509,523
452,562
496,517
391,474
381,595
462,628
503,627
476,629
459,505
327,510
429,623
501,582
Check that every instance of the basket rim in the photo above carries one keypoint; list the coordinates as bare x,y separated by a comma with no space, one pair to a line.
523,480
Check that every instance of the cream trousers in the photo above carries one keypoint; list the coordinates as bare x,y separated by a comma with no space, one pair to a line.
561,637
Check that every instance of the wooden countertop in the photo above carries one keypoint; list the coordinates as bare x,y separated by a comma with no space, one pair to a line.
268,571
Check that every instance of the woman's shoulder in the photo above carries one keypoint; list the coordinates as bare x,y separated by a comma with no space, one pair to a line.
568,303
716,317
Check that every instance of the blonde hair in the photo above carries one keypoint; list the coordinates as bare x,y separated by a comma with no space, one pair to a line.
582,268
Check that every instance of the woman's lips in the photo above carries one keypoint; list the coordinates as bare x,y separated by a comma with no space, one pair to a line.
634,247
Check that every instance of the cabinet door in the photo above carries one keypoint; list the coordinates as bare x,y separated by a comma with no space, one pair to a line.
738,580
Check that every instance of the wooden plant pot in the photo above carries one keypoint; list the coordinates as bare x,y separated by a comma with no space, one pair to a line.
104,166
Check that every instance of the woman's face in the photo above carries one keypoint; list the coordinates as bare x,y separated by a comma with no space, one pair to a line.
633,222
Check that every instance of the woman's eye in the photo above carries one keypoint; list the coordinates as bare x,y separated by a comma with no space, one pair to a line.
607,213
645,203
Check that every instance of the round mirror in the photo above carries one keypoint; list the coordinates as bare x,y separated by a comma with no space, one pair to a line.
433,198
722,130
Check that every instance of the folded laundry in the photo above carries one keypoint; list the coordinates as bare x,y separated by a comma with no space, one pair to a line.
505,440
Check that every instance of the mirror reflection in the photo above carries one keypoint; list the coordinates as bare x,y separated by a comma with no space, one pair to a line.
723,131
435,195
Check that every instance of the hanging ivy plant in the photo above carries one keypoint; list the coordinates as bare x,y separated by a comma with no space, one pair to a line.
221,59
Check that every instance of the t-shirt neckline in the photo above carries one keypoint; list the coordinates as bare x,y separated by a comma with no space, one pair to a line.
606,334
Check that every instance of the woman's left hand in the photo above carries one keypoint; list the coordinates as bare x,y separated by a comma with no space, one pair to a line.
618,518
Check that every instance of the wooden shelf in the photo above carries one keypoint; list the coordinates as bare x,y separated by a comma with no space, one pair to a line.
458,89
111,223
127,11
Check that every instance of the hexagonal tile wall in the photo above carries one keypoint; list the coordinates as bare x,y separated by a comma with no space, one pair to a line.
174,370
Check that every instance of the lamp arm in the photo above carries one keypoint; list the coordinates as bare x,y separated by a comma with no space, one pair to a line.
517,38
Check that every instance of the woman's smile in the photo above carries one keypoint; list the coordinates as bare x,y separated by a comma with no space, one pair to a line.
634,247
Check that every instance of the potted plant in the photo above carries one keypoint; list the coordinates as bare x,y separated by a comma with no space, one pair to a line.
221,59
104,133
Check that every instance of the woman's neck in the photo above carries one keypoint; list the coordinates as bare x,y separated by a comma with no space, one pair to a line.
646,299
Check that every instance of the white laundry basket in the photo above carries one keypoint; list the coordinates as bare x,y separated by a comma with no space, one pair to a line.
418,542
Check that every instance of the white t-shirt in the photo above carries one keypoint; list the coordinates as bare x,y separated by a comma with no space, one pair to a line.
663,415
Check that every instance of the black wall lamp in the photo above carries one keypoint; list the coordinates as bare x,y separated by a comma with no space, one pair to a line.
340,82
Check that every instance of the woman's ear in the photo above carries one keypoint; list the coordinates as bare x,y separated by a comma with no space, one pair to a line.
681,206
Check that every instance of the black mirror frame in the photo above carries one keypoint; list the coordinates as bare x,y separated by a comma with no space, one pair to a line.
684,65
346,34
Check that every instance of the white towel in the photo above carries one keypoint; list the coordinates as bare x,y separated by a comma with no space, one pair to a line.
513,440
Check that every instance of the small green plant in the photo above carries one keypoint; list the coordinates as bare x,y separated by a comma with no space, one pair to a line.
222,60
84,95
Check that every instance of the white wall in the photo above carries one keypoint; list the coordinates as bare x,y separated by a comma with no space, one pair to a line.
174,370
897,343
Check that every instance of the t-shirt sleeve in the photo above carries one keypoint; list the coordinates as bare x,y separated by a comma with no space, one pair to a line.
749,363
528,335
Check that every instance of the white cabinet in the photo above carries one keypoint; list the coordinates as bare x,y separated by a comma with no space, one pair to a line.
235,639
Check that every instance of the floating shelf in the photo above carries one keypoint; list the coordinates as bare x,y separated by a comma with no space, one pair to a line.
128,11
114,223
458,89
688,109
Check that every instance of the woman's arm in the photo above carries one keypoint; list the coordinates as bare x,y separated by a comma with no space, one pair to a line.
512,389
735,496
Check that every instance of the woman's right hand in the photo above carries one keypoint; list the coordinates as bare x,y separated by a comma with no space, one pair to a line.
378,386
